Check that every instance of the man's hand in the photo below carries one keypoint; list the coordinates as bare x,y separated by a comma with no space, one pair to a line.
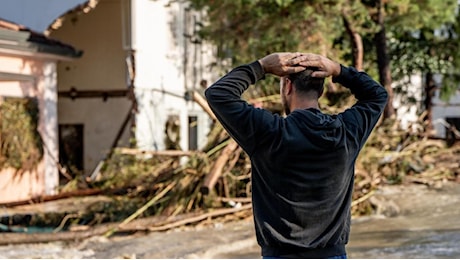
282,63
325,67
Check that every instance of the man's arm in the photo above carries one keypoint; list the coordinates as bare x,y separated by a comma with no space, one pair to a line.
242,121
372,97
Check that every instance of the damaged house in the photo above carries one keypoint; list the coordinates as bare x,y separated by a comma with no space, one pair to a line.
130,74
102,74
28,85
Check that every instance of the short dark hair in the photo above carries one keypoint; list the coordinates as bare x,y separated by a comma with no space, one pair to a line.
305,83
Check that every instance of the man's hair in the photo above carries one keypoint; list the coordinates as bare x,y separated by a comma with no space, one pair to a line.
305,84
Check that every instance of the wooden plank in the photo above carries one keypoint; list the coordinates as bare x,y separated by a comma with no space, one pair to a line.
171,153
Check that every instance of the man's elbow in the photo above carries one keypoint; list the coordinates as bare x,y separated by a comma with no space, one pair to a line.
382,94
385,95
211,96
208,94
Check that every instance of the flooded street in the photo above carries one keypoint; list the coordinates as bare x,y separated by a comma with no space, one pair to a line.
411,244
415,222
427,226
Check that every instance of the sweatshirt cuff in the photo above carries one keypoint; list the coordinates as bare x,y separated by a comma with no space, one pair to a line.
258,71
346,74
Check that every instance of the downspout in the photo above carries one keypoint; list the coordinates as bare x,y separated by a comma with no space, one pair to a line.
127,20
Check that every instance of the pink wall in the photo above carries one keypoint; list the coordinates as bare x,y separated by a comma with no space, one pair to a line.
17,186
32,77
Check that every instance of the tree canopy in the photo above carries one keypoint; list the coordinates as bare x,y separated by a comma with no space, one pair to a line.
411,35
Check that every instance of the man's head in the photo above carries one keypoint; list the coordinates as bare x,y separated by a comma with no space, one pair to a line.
300,86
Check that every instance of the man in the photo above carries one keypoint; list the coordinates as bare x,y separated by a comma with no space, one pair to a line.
302,164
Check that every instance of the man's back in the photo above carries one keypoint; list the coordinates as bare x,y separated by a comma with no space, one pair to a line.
302,165
302,174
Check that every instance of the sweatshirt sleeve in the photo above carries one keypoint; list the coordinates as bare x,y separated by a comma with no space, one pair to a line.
240,119
372,99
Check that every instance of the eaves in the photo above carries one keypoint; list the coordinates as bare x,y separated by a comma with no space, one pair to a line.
23,42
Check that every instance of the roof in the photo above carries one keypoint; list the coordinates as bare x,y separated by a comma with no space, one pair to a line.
18,38
84,8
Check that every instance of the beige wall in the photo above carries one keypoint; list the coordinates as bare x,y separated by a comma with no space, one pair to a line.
98,33
102,67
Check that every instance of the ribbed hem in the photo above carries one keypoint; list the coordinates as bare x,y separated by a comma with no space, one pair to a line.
258,71
343,76
323,252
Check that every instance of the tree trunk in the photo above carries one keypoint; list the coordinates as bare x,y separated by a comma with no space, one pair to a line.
383,61
357,42
430,88
217,168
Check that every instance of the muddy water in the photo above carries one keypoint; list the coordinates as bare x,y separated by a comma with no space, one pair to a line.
411,244
426,226
413,222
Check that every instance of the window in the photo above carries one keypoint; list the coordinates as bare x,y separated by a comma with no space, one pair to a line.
193,133
452,130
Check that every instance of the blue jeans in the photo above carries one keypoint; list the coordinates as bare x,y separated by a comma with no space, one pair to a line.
332,257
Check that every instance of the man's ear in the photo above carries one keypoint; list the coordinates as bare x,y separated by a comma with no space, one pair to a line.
289,87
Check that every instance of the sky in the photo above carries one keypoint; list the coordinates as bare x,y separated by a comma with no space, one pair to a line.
24,12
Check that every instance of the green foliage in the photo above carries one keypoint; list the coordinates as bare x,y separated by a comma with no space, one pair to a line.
451,80
418,53
429,46
411,41
245,30
412,15
20,143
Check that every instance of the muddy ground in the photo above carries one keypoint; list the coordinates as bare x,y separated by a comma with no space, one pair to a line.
413,221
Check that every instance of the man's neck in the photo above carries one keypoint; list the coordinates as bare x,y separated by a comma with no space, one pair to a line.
304,104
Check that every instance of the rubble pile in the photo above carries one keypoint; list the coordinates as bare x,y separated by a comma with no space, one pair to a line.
161,190
218,178
397,156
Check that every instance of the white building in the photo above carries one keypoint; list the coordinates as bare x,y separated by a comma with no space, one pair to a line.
146,46
445,111
409,106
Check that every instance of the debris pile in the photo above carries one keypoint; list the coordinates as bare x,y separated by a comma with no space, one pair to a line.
218,179
398,156
161,190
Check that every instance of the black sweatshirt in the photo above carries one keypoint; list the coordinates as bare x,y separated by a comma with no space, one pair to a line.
302,164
